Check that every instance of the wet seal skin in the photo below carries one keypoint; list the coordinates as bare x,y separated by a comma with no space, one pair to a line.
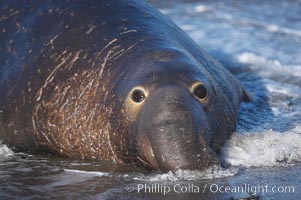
111,80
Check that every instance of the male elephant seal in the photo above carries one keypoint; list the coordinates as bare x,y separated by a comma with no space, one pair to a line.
111,80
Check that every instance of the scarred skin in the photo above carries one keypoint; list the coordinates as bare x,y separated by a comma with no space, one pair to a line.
68,72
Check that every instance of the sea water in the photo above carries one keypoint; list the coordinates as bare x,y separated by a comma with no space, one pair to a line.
260,43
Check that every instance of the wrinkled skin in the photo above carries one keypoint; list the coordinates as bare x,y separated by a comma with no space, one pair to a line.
69,70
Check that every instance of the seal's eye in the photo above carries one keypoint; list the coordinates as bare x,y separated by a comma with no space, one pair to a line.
200,92
138,96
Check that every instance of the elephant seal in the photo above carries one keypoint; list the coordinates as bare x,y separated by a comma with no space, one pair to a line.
111,80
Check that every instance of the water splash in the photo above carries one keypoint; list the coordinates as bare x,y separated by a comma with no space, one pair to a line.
267,148
92,173
5,151
179,175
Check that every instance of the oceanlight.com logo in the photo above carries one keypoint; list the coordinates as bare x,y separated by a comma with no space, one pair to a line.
160,188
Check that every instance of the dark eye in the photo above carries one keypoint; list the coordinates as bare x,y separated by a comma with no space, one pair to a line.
138,96
200,92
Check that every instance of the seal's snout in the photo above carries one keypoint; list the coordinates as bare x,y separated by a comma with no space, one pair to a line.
169,131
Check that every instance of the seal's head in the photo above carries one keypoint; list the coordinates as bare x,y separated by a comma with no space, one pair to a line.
178,115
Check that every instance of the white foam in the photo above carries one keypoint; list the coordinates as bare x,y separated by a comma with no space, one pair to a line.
210,173
200,8
260,62
92,173
5,151
286,89
272,28
275,28
249,57
268,148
